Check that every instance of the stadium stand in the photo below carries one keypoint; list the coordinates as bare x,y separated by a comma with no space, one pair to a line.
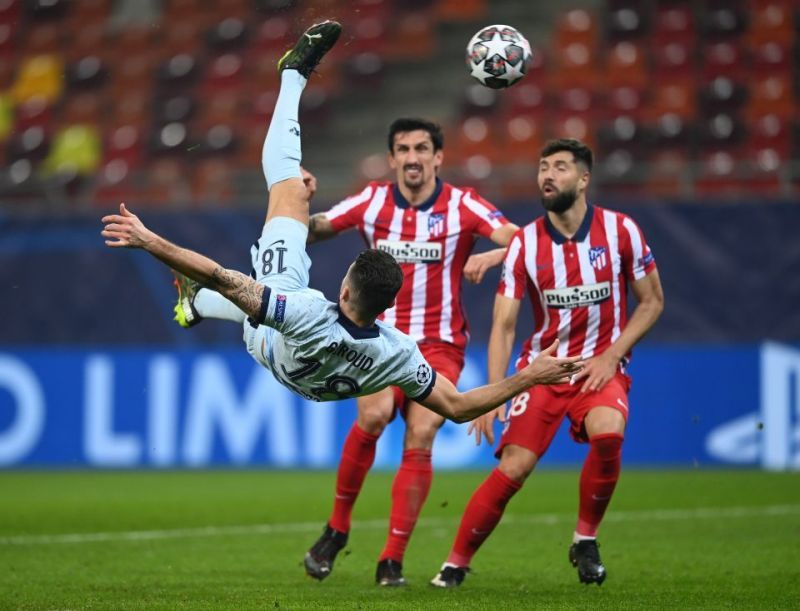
680,98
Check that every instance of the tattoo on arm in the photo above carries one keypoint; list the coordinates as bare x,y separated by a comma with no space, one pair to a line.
242,290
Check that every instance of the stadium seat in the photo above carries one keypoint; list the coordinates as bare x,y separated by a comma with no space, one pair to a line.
228,35
479,100
83,108
171,138
76,150
114,183
166,181
474,137
674,23
124,142
772,21
10,11
273,35
89,72
573,125
626,22
39,76
177,107
8,35
460,10
31,143
41,39
368,34
722,131
772,57
522,140
46,10
723,20
217,138
724,58
178,73
624,133
718,175
576,25
34,111
673,59
676,97
766,171
365,70
625,101
411,37
526,98
771,131
671,131
668,174
772,94
721,95
626,65
212,182
224,72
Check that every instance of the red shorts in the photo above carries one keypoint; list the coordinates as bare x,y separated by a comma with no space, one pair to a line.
536,414
446,359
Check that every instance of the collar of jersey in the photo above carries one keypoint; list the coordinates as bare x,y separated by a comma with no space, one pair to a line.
355,331
580,235
402,202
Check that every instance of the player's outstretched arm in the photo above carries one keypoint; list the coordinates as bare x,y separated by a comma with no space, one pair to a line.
447,401
126,230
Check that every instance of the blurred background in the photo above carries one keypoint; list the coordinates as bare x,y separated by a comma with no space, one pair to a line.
691,108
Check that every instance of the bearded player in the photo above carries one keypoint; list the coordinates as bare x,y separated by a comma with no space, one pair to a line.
576,262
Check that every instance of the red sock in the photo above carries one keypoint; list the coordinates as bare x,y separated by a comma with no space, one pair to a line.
358,454
598,479
482,514
409,491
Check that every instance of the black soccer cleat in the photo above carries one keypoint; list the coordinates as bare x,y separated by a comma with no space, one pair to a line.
319,559
586,557
449,576
307,52
390,573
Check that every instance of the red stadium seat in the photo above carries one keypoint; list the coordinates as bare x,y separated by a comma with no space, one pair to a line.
224,72
11,12
719,175
475,138
213,181
674,23
626,65
522,140
773,58
461,10
274,34
668,174
771,131
625,100
676,97
526,98
573,125
8,42
673,59
412,37
772,94
124,142
772,21
576,26
724,58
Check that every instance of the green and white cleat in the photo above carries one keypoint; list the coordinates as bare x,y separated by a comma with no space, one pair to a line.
307,52
185,313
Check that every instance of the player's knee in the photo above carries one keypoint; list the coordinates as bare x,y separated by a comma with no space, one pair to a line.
517,463
420,435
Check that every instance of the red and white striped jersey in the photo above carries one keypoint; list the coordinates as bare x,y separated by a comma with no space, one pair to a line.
431,242
578,286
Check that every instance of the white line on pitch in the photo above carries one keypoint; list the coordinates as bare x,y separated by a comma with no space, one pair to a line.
699,513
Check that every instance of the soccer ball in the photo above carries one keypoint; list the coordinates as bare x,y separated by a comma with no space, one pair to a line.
498,56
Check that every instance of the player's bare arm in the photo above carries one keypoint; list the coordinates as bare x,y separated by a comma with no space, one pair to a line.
501,343
480,263
650,297
126,230
319,228
447,401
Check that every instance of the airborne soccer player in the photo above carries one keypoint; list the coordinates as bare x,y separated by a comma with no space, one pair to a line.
576,264
430,227
321,350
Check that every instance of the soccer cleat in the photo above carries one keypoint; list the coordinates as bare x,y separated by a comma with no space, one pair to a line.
184,310
307,52
319,559
586,557
449,576
390,573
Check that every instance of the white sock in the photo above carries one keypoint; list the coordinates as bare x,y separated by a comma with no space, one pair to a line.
281,155
577,537
210,304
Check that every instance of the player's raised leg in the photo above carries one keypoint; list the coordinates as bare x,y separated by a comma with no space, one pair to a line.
281,154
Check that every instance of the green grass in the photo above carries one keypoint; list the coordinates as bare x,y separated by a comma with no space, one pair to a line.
690,539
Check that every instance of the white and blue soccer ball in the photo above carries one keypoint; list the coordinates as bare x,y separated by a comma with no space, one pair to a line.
498,56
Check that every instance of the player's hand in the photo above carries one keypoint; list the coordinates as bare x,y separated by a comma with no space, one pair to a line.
125,230
310,181
478,264
598,371
484,425
548,369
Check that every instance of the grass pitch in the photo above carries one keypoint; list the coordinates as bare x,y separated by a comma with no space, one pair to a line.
700,539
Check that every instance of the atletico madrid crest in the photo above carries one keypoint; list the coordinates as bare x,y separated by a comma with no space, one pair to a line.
436,224
598,257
